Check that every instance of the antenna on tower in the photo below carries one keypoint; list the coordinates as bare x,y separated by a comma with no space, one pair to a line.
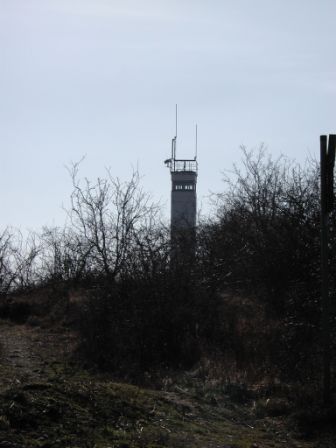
175,132
173,157
196,143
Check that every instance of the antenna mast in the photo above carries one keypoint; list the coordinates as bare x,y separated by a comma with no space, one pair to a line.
196,144
175,131
173,155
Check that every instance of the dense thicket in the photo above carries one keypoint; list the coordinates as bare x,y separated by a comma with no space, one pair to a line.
265,241
249,295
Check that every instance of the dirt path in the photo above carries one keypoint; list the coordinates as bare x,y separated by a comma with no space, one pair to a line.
30,354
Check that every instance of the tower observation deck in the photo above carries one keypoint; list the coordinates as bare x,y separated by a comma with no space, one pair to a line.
183,191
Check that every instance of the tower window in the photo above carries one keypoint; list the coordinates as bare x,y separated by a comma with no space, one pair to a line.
183,186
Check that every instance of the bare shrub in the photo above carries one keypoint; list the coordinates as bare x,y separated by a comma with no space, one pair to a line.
265,241
109,216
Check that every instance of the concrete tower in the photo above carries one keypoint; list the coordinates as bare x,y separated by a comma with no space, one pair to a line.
183,193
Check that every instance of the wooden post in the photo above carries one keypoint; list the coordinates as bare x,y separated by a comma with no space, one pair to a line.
325,270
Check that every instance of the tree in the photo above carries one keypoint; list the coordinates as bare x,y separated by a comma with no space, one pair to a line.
111,217
7,274
25,260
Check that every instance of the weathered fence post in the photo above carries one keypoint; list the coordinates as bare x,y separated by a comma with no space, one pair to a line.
327,157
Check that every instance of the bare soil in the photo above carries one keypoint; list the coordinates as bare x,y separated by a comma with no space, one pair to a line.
29,353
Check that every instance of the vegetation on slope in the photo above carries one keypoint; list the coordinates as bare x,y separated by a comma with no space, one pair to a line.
245,301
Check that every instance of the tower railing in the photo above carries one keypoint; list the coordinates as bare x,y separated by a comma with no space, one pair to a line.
183,165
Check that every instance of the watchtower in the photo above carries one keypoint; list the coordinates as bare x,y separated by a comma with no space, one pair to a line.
183,192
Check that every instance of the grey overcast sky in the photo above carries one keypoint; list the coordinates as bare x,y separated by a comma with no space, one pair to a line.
101,78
